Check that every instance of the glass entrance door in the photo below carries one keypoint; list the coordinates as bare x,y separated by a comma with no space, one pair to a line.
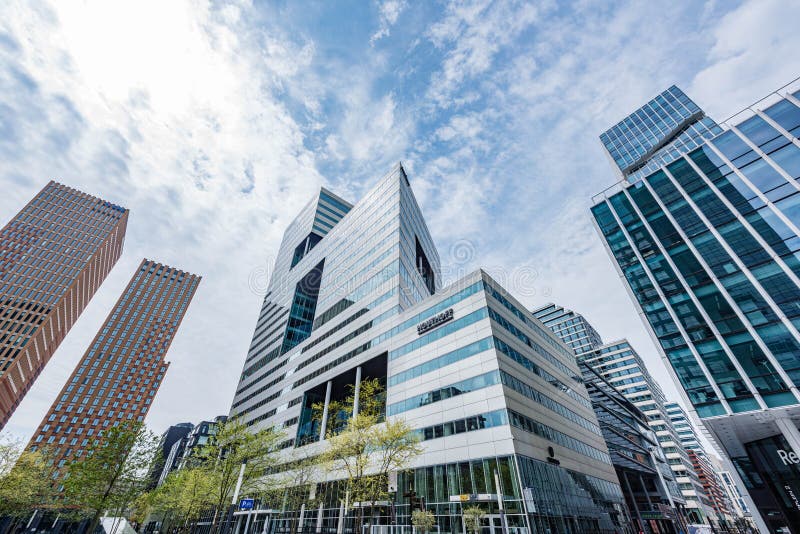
492,524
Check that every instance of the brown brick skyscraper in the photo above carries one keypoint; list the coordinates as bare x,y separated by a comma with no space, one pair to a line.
122,369
53,256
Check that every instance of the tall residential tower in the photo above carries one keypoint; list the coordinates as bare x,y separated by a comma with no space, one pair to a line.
54,254
708,244
123,368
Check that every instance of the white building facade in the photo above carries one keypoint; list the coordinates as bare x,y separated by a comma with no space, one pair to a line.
485,385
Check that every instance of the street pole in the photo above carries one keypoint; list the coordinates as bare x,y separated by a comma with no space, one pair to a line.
247,523
239,483
232,507
503,523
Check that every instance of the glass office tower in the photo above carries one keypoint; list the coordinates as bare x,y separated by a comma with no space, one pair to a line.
651,492
703,466
118,376
481,381
624,369
624,397
54,254
657,133
708,248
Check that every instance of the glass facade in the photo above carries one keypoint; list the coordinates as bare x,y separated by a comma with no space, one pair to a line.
648,482
657,133
622,367
683,426
537,497
708,245
708,241
476,376
572,328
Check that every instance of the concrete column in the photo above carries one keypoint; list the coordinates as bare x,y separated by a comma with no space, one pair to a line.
357,391
790,432
646,493
633,499
324,425
319,518
340,525
302,517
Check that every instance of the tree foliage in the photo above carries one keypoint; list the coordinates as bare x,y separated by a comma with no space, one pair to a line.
184,495
232,446
25,480
363,449
291,489
423,520
472,519
112,474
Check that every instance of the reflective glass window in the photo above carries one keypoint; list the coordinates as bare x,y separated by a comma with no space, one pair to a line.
785,114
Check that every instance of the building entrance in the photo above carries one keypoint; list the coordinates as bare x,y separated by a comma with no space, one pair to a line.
492,524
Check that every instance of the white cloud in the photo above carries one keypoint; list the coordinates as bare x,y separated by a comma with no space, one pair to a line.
477,31
178,112
388,13
210,124
460,128
754,53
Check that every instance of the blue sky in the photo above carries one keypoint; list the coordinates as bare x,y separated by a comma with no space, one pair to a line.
215,123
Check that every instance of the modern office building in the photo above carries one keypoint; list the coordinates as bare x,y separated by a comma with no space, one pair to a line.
683,426
356,293
709,470
656,134
713,489
655,502
735,497
707,245
572,328
54,254
200,436
121,371
169,438
648,483
624,369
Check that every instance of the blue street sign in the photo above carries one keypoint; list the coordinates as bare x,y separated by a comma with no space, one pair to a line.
246,504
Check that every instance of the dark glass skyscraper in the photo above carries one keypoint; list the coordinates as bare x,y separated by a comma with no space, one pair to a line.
124,366
54,254
708,244
169,438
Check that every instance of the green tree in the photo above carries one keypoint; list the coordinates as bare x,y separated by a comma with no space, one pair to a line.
472,519
112,474
233,446
423,520
25,480
292,489
184,495
365,450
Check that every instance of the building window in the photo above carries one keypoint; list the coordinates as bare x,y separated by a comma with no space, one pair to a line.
424,268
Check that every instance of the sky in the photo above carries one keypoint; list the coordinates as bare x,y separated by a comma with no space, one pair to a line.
214,123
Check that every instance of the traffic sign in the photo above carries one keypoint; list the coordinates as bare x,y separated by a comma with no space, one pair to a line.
246,504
